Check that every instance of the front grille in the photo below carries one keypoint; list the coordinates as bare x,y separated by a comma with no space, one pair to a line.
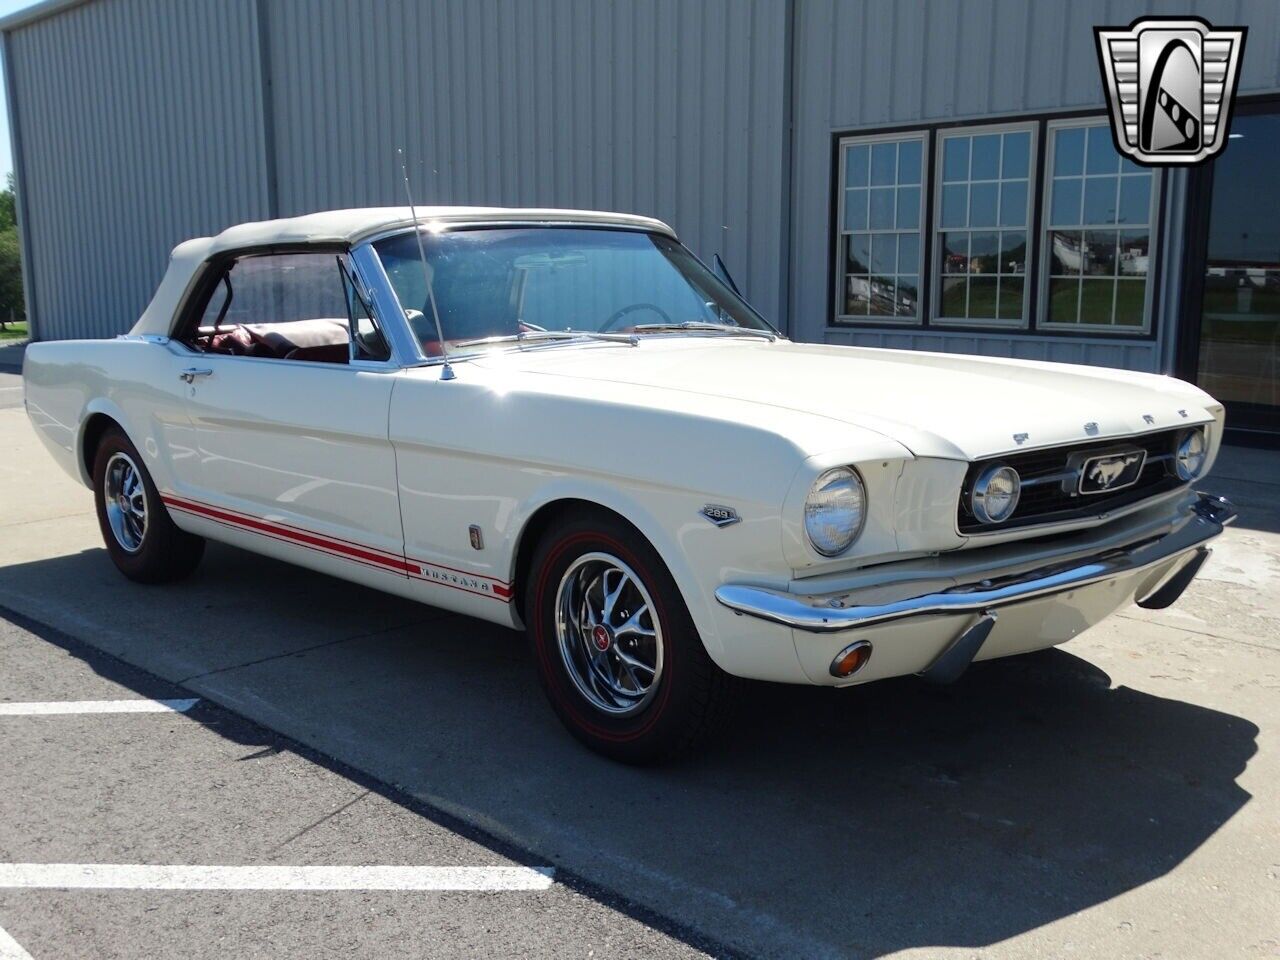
1044,498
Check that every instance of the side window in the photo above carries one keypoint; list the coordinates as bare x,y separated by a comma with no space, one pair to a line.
291,306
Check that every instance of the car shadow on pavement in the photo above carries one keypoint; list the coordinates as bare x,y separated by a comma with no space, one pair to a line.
824,822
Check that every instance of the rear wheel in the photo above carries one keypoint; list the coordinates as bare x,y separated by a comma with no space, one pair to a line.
616,650
141,537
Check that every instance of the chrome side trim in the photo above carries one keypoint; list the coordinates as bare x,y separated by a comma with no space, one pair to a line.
826,613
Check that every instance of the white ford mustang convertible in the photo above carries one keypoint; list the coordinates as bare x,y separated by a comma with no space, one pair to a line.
562,421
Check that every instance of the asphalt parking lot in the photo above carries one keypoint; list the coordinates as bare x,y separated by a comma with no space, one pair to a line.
1113,798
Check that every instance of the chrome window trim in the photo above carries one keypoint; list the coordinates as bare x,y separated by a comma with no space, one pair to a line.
406,351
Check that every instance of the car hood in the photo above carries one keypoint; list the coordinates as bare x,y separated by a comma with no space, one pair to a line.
935,405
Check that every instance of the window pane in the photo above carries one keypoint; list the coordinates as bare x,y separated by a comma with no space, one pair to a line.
1068,152
857,296
985,164
955,158
858,258
1100,253
1101,156
1065,206
1066,251
982,298
1135,199
884,253
1013,252
856,165
1011,289
882,208
855,209
1013,204
1133,256
984,253
982,205
909,161
1100,199
954,293
884,163
955,253
1017,155
882,296
955,200
1064,300
909,253
1095,301
1130,297
908,296
908,207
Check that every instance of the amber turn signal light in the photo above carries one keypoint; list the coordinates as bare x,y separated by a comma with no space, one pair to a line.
851,659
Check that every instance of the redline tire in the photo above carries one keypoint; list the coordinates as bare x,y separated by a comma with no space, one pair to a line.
155,551
691,695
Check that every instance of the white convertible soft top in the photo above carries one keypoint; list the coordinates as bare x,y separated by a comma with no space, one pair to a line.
343,226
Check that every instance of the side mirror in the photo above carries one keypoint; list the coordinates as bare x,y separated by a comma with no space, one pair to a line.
721,271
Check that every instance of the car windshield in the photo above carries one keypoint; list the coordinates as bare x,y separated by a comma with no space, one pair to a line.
495,286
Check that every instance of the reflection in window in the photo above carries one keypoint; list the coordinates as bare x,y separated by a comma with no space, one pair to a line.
984,208
1098,232
880,215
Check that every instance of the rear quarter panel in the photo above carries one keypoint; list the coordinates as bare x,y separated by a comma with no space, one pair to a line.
134,382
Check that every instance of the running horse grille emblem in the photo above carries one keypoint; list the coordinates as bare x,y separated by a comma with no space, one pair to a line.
1170,84
1107,474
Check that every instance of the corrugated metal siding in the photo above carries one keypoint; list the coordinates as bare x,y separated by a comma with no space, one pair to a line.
866,64
672,109
141,126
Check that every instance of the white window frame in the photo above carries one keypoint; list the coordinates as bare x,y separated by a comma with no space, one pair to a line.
1154,248
1030,127
841,318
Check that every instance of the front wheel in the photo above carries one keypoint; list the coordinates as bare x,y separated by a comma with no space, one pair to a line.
141,537
616,650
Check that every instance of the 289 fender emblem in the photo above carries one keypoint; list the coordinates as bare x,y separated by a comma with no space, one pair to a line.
720,516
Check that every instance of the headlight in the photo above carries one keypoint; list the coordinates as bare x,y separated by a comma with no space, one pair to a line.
995,494
1193,447
834,511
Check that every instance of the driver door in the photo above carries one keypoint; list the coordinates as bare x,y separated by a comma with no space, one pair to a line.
289,412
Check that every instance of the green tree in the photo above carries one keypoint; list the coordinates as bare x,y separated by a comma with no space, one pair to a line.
12,304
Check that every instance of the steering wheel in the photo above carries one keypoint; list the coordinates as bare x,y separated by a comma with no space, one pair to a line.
617,315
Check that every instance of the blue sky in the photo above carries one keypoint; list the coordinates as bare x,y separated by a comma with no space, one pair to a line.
6,151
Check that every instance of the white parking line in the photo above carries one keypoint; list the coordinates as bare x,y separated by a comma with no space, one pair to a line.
52,707
11,949
114,876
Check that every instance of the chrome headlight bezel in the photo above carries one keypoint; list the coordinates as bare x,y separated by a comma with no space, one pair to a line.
855,497
1183,455
982,500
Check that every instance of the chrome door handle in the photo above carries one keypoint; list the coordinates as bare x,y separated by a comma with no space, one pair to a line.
191,373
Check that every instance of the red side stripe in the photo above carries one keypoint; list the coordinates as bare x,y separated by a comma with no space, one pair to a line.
306,539
345,549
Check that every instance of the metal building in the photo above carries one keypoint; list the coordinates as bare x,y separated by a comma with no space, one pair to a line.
928,174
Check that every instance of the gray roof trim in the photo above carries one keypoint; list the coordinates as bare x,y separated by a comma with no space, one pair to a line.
38,11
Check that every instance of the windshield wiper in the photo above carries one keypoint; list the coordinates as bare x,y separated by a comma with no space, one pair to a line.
701,326
536,336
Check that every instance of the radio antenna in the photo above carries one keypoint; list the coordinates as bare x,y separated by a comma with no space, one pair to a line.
446,373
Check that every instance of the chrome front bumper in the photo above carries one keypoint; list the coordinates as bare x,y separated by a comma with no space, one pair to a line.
826,613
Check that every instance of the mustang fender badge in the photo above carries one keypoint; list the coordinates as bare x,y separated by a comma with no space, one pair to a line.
720,516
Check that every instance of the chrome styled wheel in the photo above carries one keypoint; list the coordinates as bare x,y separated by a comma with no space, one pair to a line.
124,497
608,637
